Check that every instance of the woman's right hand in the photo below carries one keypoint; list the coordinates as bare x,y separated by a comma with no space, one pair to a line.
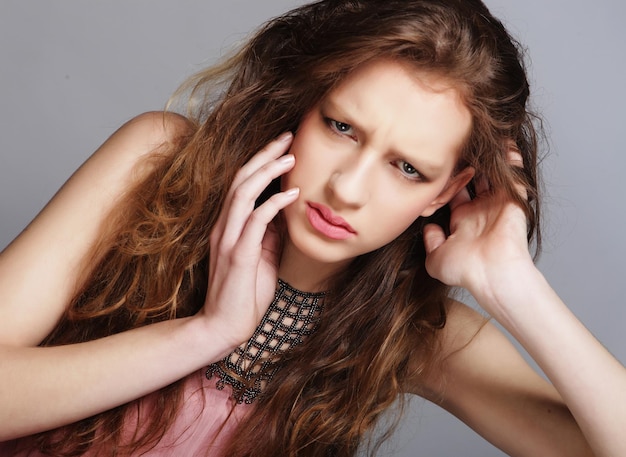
39,270
244,246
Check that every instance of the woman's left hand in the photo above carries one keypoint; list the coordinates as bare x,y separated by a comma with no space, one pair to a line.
487,253
487,241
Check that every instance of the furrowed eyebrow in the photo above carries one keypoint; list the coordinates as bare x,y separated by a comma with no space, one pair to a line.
329,104
427,169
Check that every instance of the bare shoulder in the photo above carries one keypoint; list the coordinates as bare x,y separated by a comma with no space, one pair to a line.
39,269
151,129
141,136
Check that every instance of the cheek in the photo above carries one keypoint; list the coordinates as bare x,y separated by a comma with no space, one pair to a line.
397,220
299,176
308,169
395,215
390,221
405,201
293,177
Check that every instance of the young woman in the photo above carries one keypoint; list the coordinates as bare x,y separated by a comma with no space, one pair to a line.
216,285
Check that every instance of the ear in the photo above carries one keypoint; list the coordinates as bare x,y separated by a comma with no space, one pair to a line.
454,185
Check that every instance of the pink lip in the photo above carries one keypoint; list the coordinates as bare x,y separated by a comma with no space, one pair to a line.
328,223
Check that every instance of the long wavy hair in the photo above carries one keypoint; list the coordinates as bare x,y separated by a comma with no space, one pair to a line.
382,314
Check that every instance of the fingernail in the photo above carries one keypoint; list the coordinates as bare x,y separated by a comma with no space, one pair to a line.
292,192
287,159
285,137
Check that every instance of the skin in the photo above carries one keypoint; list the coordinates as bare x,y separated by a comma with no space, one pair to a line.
487,384
379,152
38,271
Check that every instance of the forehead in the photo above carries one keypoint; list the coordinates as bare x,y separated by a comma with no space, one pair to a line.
397,107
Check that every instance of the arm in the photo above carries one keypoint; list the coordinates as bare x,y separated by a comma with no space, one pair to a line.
589,379
51,252
39,270
485,382
38,274
487,254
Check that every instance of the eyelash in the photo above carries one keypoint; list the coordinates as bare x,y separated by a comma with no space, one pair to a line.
344,129
337,126
412,175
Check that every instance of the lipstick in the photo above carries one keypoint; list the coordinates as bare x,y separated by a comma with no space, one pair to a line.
327,223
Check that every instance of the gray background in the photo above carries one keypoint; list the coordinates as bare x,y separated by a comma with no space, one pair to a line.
72,71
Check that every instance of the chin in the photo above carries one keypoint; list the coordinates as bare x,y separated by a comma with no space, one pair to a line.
314,248
334,254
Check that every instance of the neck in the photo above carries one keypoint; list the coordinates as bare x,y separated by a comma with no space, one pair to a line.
305,273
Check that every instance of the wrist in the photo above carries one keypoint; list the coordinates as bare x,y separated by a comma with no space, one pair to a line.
508,288
210,337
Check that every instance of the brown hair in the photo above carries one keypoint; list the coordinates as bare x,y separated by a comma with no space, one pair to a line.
382,314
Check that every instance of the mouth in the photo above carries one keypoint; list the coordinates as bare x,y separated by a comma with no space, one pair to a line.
327,223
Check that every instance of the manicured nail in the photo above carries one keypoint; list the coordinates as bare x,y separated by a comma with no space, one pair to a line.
285,137
292,192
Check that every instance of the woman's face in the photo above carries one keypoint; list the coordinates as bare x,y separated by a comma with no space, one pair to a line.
372,157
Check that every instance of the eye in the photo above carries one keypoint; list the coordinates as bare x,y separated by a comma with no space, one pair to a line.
340,128
408,170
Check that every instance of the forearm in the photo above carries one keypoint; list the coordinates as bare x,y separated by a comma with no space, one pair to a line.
590,380
69,383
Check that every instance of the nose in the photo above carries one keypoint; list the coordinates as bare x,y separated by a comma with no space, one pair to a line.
350,184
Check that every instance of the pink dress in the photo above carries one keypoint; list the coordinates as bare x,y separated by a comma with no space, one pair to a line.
201,429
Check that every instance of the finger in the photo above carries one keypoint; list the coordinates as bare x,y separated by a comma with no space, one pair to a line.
260,235
271,243
250,243
434,236
270,152
233,216
245,195
515,159
512,152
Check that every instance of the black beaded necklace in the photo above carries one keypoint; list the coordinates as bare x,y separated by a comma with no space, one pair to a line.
291,317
